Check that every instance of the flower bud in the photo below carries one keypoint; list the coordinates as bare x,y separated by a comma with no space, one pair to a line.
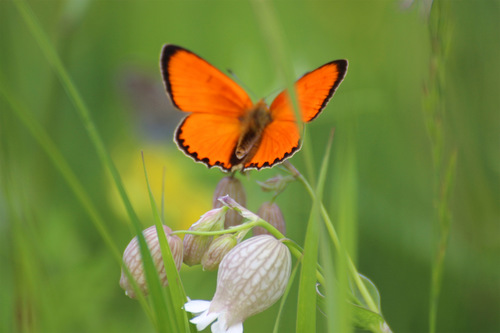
251,278
276,184
270,212
217,250
196,246
133,260
230,186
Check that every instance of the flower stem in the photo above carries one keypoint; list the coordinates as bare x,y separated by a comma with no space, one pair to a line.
336,241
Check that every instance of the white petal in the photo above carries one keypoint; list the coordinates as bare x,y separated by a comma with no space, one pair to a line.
236,328
196,306
204,320
218,327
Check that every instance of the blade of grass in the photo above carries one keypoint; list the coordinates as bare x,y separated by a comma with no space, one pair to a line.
328,303
285,295
177,297
341,321
82,110
361,314
275,38
273,34
444,216
434,110
335,240
60,163
306,303
43,138
26,308
306,311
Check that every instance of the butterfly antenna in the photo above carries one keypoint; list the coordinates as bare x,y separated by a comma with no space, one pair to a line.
241,83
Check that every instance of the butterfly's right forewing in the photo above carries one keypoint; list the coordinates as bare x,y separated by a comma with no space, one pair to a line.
281,138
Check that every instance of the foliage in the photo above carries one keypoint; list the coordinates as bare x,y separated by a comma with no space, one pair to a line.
80,91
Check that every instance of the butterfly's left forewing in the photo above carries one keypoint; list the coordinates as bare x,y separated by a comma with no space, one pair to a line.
209,139
196,86
210,133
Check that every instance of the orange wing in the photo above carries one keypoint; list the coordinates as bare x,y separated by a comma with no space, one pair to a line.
281,138
210,133
209,138
314,90
195,86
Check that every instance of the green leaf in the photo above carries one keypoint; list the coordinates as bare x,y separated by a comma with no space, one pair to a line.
369,320
361,316
372,290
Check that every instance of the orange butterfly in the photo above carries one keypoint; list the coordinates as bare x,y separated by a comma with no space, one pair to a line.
225,128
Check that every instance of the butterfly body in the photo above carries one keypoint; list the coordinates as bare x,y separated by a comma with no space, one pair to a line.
253,124
224,128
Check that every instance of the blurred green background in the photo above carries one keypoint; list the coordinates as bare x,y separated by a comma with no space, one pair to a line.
57,275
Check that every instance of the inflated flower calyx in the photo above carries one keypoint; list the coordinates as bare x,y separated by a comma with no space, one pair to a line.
271,213
133,260
231,186
251,278
217,250
196,246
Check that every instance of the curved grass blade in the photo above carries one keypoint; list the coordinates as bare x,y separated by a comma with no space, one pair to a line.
361,316
369,320
177,297
82,110
285,295
75,97
60,163
306,311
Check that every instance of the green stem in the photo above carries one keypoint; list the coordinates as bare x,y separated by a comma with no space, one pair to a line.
241,227
336,241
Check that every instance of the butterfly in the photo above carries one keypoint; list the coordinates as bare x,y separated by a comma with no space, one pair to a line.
225,129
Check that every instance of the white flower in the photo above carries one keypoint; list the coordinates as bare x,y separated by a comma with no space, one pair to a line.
251,278
132,258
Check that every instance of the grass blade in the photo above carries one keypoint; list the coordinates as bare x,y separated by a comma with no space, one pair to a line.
60,163
177,297
306,311
76,99
285,295
82,110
